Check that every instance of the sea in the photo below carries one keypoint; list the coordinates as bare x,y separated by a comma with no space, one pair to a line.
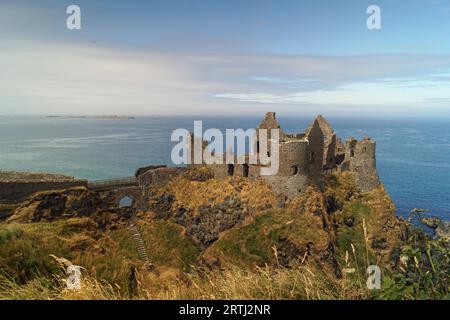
413,155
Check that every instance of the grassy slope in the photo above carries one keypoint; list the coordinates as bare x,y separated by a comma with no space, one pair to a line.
110,257
250,254
256,243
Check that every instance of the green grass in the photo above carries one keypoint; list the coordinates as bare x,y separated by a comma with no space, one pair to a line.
255,242
352,235
6,234
109,256
166,244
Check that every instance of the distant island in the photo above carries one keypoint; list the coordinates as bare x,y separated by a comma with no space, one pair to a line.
94,117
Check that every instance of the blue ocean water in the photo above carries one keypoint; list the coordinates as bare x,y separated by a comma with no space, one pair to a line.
412,155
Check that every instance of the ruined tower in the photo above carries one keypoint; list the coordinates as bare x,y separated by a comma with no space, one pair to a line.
329,143
315,138
293,175
360,158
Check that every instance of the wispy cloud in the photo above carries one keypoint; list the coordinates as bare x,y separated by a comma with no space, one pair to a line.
92,79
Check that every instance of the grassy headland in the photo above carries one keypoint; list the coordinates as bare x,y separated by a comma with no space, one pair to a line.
217,239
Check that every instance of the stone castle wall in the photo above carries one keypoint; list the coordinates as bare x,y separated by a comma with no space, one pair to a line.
329,154
360,159
294,159
159,176
288,186
316,147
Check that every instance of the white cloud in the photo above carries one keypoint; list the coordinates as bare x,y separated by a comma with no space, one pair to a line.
51,78
369,94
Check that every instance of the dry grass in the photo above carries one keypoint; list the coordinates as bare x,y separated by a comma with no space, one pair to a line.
261,283
232,283
194,194
55,289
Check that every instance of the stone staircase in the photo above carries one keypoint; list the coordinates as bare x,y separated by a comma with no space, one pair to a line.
140,247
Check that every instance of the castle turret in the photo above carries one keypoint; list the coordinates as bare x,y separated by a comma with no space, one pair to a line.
293,175
361,160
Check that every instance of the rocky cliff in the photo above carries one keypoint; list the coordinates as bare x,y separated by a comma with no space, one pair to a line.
235,220
194,221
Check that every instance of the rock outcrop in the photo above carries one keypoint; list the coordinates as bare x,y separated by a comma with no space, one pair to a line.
207,208
78,202
17,186
441,228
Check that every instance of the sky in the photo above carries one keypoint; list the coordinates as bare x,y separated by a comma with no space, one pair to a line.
211,57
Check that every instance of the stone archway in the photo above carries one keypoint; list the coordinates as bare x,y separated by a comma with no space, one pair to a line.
126,201
128,197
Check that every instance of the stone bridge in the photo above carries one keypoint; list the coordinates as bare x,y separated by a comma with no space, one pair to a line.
112,184
118,189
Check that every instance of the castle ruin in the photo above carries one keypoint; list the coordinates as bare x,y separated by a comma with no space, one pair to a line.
306,157
304,160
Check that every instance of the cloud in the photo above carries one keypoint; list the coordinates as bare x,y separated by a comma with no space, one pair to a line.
60,78
368,94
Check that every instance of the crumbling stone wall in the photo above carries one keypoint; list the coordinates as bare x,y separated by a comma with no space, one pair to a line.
339,152
290,186
294,159
270,122
329,146
360,159
159,176
329,152
250,171
316,143
294,172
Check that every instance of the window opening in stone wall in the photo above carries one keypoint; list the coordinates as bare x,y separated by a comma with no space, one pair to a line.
245,170
230,169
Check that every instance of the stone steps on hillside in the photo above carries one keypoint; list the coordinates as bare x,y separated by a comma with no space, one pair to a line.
140,246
